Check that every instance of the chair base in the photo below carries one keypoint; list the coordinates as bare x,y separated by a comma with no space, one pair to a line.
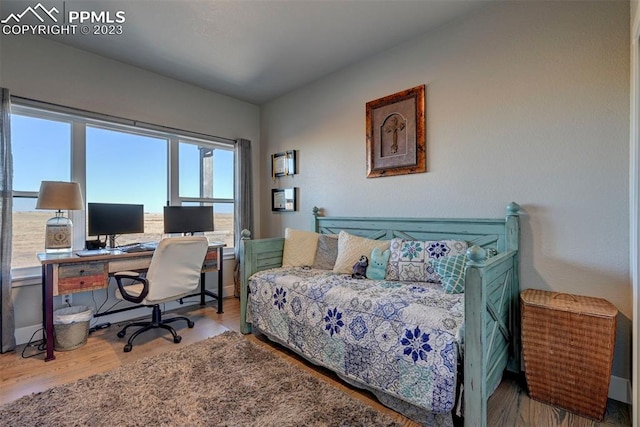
156,322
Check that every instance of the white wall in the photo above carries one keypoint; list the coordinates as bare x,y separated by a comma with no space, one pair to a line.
41,69
526,102
44,70
635,197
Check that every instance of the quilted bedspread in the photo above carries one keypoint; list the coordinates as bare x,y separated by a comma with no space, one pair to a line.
401,338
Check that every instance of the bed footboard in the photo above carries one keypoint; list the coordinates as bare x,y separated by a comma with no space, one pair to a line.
256,255
492,334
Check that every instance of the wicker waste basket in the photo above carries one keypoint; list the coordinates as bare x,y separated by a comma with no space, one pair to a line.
71,327
567,346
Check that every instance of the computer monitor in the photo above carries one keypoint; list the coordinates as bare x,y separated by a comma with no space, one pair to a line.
188,219
110,219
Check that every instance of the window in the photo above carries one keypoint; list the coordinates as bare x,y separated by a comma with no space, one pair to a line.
114,163
124,167
206,179
41,147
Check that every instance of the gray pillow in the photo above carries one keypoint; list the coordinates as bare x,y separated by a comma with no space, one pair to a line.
326,252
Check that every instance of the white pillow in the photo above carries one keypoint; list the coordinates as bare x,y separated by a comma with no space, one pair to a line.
299,248
351,248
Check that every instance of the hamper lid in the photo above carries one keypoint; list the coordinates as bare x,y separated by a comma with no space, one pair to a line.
569,302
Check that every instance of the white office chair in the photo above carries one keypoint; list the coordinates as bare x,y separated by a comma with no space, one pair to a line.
174,273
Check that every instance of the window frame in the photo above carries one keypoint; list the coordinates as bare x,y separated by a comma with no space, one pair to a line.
79,121
174,160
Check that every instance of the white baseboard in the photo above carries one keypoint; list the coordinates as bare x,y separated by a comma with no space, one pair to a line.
24,334
620,390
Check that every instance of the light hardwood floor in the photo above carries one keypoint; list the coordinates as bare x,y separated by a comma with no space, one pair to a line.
509,405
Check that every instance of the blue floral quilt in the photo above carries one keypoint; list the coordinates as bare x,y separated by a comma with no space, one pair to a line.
401,338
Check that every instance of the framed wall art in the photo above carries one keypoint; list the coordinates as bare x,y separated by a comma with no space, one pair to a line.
283,199
396,136
283,164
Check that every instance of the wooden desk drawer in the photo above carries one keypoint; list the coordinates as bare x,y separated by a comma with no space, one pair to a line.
210,261
82,277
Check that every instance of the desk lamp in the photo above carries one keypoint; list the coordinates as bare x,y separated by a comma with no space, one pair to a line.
59,230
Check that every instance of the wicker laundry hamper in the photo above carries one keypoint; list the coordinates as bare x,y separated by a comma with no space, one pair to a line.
567,346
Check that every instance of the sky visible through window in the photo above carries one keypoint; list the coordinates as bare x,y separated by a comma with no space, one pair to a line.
41,151
121,167
126,168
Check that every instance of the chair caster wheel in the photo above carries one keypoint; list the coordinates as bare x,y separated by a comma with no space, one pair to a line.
190,324
177,339
127,348
121,334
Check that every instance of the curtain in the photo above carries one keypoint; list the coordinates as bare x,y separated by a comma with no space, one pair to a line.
7,320
243,202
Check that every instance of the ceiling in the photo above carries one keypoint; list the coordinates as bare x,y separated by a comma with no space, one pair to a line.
260,49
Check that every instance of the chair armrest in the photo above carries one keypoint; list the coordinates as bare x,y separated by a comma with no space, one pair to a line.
133,275
136,277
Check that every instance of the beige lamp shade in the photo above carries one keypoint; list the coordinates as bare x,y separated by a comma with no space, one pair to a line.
60,195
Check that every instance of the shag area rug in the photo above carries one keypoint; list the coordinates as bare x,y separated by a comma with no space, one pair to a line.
223,381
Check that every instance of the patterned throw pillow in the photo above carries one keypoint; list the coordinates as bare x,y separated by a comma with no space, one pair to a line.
299,248
451,270
351,248
327,252
411,260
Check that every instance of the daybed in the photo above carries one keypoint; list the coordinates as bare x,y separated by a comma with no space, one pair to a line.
406,340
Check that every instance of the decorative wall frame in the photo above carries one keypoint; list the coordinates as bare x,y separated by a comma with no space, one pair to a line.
284,199
396,136
283,164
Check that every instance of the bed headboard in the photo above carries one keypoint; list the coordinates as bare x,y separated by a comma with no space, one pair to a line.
501,234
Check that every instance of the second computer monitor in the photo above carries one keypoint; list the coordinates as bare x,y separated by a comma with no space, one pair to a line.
188,219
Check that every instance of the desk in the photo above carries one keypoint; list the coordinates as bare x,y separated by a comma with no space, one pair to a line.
68,273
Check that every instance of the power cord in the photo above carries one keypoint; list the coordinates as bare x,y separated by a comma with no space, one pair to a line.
98,326
40,345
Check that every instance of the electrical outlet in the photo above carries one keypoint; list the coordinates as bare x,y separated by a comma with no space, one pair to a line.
68,300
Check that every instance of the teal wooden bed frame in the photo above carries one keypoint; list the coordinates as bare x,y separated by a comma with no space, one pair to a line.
492,334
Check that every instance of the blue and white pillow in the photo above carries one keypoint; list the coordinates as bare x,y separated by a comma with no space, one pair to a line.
451,270
412,260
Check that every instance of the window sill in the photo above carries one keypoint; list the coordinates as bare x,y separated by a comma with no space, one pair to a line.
228,253
27,277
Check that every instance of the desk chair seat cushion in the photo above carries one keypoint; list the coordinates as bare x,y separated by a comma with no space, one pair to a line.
136,289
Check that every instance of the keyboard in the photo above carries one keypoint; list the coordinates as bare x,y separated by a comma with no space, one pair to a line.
149,245
132,247
138,247
92,252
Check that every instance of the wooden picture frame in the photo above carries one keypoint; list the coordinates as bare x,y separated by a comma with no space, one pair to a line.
283,164
396,138
284,199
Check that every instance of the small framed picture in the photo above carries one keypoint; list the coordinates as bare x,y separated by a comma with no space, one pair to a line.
283,164
283,199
